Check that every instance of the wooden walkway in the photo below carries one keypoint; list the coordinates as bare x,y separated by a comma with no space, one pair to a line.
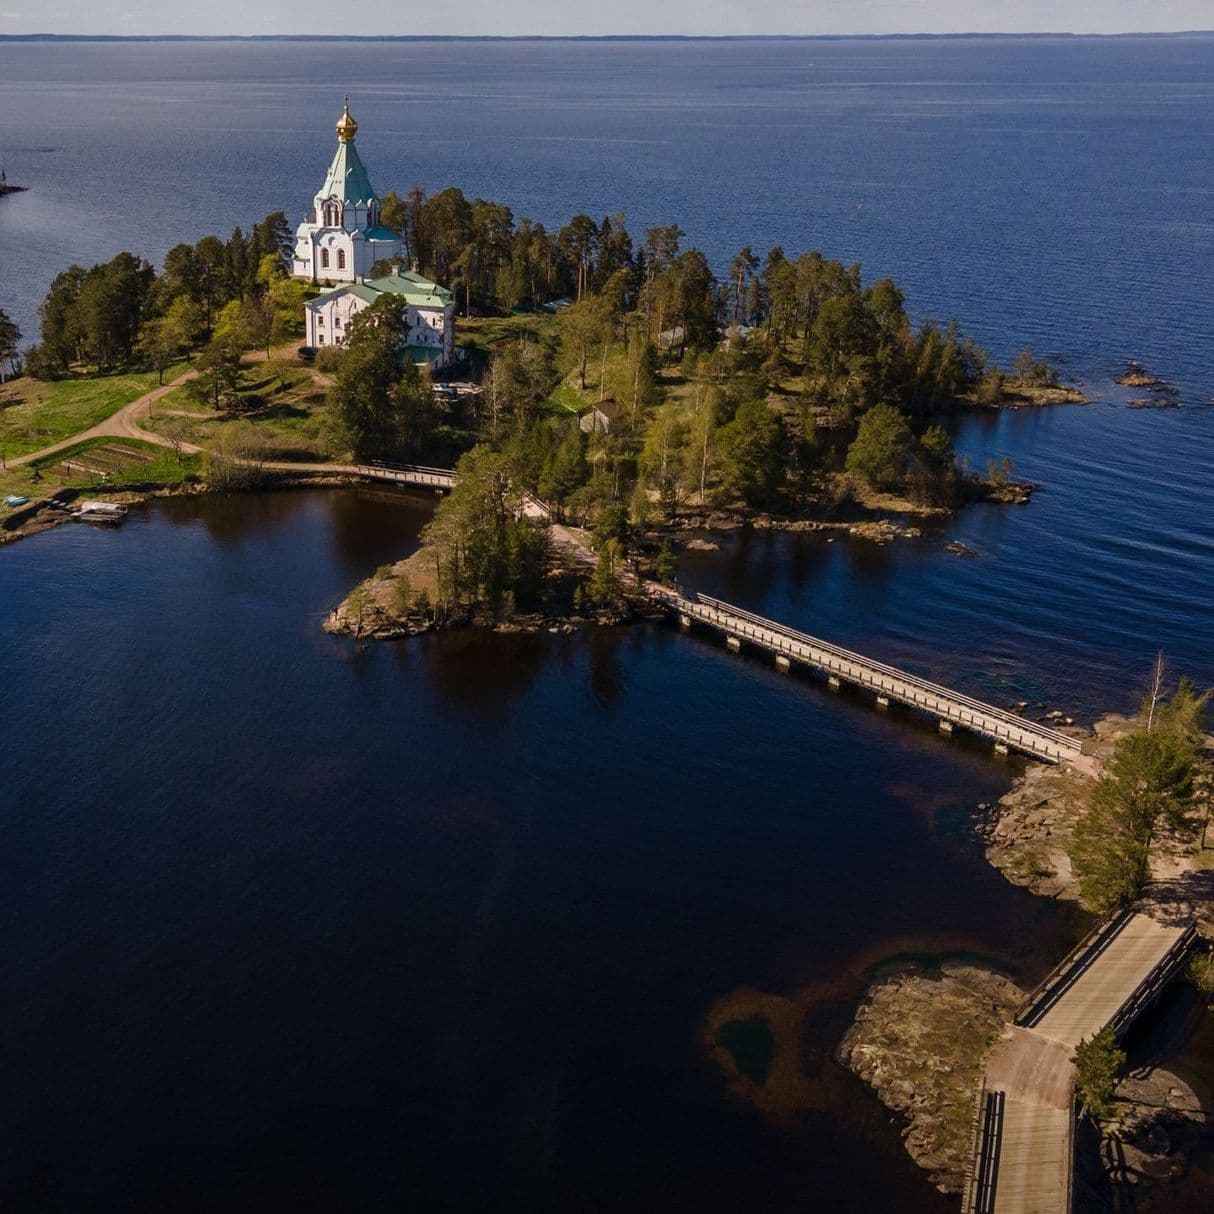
417,476
950,708
1023,1144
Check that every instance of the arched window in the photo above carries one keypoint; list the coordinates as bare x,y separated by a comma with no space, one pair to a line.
341,259
324,259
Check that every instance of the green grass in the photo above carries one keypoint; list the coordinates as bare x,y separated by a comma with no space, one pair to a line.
110,463
481,334
567,399
296,429
180,399
286,421
46,413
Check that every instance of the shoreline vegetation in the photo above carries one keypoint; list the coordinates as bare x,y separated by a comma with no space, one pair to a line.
613,371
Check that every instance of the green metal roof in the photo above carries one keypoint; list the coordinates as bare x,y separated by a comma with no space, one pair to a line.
413,288
347,177
357,288
379,232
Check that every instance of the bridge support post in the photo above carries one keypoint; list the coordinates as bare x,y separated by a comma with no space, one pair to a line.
733,644
946,726
833,683
883,701
783,664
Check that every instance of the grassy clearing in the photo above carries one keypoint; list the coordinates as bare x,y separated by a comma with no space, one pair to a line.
99,464
286,418
44,413
566,399
482,334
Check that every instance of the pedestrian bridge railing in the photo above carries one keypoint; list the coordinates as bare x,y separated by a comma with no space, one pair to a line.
950,707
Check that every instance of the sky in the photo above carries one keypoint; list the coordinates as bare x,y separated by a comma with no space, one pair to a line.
561,17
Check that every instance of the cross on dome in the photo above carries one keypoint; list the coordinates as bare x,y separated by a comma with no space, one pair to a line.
347,128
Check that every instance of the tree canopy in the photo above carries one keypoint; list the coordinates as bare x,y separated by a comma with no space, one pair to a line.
1149,785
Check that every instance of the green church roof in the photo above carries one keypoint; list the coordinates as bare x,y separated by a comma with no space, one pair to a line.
413,288
347,177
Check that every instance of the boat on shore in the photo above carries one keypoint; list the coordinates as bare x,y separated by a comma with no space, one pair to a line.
100,512
14,500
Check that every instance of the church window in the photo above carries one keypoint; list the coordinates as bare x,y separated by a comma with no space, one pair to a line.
341,259
324,259
321,342
320,320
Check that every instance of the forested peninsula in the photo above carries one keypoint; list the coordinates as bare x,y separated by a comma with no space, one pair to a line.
621,381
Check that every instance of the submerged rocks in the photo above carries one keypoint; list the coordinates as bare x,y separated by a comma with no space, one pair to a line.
918,1040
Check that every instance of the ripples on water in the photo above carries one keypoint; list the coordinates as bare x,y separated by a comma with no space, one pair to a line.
438,924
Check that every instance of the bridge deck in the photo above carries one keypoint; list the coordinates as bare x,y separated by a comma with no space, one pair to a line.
1034,1173
1005,728
1106,979
1107,984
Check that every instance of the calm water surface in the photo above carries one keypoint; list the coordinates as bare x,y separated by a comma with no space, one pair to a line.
297,925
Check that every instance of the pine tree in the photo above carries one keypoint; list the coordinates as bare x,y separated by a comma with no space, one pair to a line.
1097,1063
1149,785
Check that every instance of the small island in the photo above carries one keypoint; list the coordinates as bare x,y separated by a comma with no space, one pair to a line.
7,188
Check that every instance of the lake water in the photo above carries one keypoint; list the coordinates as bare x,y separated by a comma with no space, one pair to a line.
297,925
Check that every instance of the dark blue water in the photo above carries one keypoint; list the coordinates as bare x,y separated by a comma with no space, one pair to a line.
437,926
296,926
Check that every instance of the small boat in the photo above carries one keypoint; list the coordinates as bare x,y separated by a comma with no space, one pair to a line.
15,499
100,512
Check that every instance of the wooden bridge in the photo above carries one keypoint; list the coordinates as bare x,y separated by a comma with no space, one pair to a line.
950,708
1022,1148
442,480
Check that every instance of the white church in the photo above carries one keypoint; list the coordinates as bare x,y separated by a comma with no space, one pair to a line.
339,242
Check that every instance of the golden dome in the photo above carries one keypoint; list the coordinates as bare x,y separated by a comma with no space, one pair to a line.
347,128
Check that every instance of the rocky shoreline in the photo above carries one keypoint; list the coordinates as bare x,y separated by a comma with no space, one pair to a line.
395,603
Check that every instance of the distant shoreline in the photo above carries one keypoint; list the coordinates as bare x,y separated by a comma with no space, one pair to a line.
958,37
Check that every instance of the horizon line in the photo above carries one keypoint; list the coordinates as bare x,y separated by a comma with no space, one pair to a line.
283,37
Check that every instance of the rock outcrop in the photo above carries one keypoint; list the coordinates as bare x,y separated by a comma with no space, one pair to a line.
918,1040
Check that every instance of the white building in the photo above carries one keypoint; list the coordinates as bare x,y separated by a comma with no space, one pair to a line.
430,312
341,238
340,241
